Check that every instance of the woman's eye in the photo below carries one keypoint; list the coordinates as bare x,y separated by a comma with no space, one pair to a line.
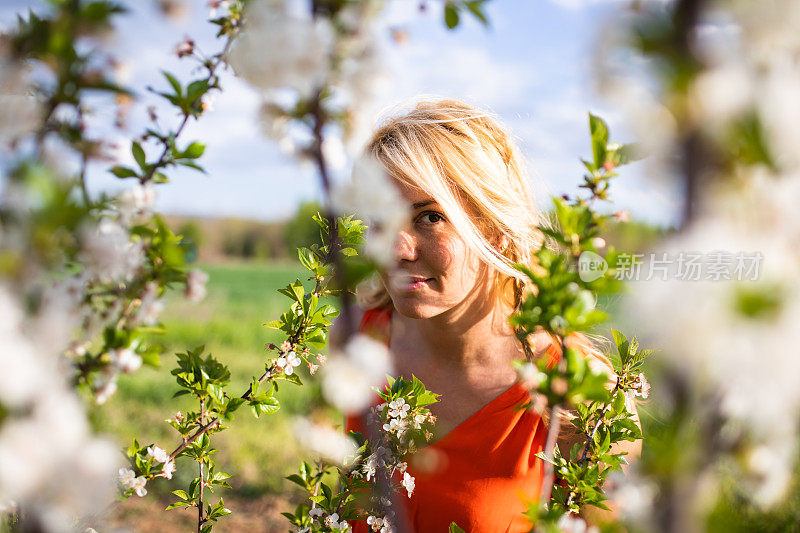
431,218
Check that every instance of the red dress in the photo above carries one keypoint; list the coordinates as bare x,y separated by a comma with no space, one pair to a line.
487,468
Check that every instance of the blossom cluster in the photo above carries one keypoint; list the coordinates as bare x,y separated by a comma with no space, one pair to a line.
320,517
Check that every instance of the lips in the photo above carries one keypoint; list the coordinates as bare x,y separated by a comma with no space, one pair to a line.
404,282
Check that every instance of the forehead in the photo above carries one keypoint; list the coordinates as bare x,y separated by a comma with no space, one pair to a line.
413,195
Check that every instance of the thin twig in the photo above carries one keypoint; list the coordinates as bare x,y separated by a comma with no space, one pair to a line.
200,518
204,428
550,444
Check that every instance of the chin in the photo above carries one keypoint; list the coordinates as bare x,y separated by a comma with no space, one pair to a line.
410,308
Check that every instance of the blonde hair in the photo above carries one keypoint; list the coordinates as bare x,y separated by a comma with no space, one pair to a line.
463,158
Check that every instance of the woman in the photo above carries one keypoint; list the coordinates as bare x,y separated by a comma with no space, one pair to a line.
443,309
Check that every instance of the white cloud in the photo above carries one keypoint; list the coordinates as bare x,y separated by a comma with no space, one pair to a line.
466,72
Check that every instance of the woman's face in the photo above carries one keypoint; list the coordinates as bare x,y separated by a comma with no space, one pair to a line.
434,270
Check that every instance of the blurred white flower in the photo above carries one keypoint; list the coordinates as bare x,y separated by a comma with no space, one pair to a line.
770,473
104,388
333,152
747,358
303,45
570,523
126,477
370,355
372,195
324,441
136,203
109,253
126,360
218,8
23,370
273,120
196,285
348,377
633,496
769,27
20,113
345,385
722,93
779,110
151,305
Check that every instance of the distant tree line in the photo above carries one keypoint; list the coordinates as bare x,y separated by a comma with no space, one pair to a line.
213,239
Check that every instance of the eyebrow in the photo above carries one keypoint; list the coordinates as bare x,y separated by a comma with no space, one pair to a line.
423,203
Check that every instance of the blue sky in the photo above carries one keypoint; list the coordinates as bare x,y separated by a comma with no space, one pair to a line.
532,67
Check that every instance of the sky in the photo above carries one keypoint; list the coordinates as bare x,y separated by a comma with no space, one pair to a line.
532,67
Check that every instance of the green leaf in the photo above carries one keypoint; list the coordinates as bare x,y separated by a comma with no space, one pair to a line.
450,15
138,154
599,131
476,7
267,405
123,172
176,85
627,153
194,150
454,528
294,478
176,505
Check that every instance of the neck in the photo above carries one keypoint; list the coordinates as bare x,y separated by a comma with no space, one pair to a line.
473,335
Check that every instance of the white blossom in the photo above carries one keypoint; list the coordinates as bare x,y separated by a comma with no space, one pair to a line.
196,285
375,523
126,360
109,253
347,377
168,469
288,362
138,486
399,408
408,483
136,203
370,355
151,305
722,93
304,45
570,523
218,8
324,441
158,454
104,388
126,477
24,370
770,475
20,112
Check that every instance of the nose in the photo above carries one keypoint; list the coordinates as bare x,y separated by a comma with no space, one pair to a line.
405,246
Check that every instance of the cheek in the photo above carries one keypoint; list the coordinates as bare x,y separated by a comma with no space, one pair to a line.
454,260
